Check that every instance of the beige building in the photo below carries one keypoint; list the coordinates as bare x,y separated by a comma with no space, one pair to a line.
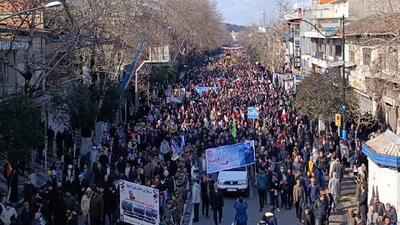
21,47
15,55
374,67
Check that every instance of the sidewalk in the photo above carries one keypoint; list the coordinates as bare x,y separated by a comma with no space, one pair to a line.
347,199
41,179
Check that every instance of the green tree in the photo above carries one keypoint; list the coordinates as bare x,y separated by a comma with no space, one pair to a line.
20,128
254,53
321,96
173,70
80,103
109,105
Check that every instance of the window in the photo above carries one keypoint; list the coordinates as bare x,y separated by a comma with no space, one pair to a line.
392,61
366,53
338,51
352,57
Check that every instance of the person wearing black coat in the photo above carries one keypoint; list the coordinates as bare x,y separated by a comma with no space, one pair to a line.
274,192
217,203
291,181
110,203
59,143
329,199
26,215
320,209
307,217
50,139
363,203
57,208
29,190
205,195
14,187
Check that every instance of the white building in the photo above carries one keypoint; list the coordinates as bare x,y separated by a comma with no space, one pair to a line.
320,53
383,154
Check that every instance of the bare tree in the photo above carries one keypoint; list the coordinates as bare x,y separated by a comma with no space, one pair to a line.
103,35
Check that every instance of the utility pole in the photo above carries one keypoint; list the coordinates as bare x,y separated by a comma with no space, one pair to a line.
264,19
46,146
344,80
293,45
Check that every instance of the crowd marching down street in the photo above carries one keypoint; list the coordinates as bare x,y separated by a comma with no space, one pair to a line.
164,145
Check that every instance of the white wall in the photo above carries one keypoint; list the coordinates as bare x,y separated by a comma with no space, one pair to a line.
386,182
341,9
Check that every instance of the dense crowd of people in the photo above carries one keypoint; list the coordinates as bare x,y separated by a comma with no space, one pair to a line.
164,145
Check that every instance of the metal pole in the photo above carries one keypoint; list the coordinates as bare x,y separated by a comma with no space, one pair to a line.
293,47
344,74
45,138
136,91
125,110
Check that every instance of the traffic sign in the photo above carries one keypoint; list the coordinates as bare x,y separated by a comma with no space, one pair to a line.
344,107
338,119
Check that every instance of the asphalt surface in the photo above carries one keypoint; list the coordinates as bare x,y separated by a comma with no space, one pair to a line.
284,217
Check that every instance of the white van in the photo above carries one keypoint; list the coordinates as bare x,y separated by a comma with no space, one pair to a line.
234,180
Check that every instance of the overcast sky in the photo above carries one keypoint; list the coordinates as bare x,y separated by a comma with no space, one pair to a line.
244,12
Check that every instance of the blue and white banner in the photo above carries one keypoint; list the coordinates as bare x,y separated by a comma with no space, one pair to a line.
174,100
230,156
253,113
201,90
139,205
178,149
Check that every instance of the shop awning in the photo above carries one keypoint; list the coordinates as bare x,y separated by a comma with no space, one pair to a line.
384,149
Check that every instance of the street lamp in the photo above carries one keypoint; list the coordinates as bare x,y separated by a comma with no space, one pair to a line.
49,5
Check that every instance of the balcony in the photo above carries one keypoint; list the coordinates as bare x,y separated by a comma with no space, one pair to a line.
319,55
324,61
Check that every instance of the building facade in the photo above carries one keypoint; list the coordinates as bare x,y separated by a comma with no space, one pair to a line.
21,46
318,28
375,67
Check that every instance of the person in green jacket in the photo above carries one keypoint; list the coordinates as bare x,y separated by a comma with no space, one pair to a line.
261,187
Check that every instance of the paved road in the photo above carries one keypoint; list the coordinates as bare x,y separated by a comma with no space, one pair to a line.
285,217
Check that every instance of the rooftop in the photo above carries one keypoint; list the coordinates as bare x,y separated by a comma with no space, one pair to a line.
386,24
384,149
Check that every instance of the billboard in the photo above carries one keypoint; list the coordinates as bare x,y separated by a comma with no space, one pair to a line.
159,54
230,156
139,205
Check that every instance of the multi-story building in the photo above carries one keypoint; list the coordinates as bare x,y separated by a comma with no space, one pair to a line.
321,49
317,25
374,75
367,61
21,50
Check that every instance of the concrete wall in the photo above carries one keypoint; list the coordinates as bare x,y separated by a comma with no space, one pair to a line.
10,80
385,183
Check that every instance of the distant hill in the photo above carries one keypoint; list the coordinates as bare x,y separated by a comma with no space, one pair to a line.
234,27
